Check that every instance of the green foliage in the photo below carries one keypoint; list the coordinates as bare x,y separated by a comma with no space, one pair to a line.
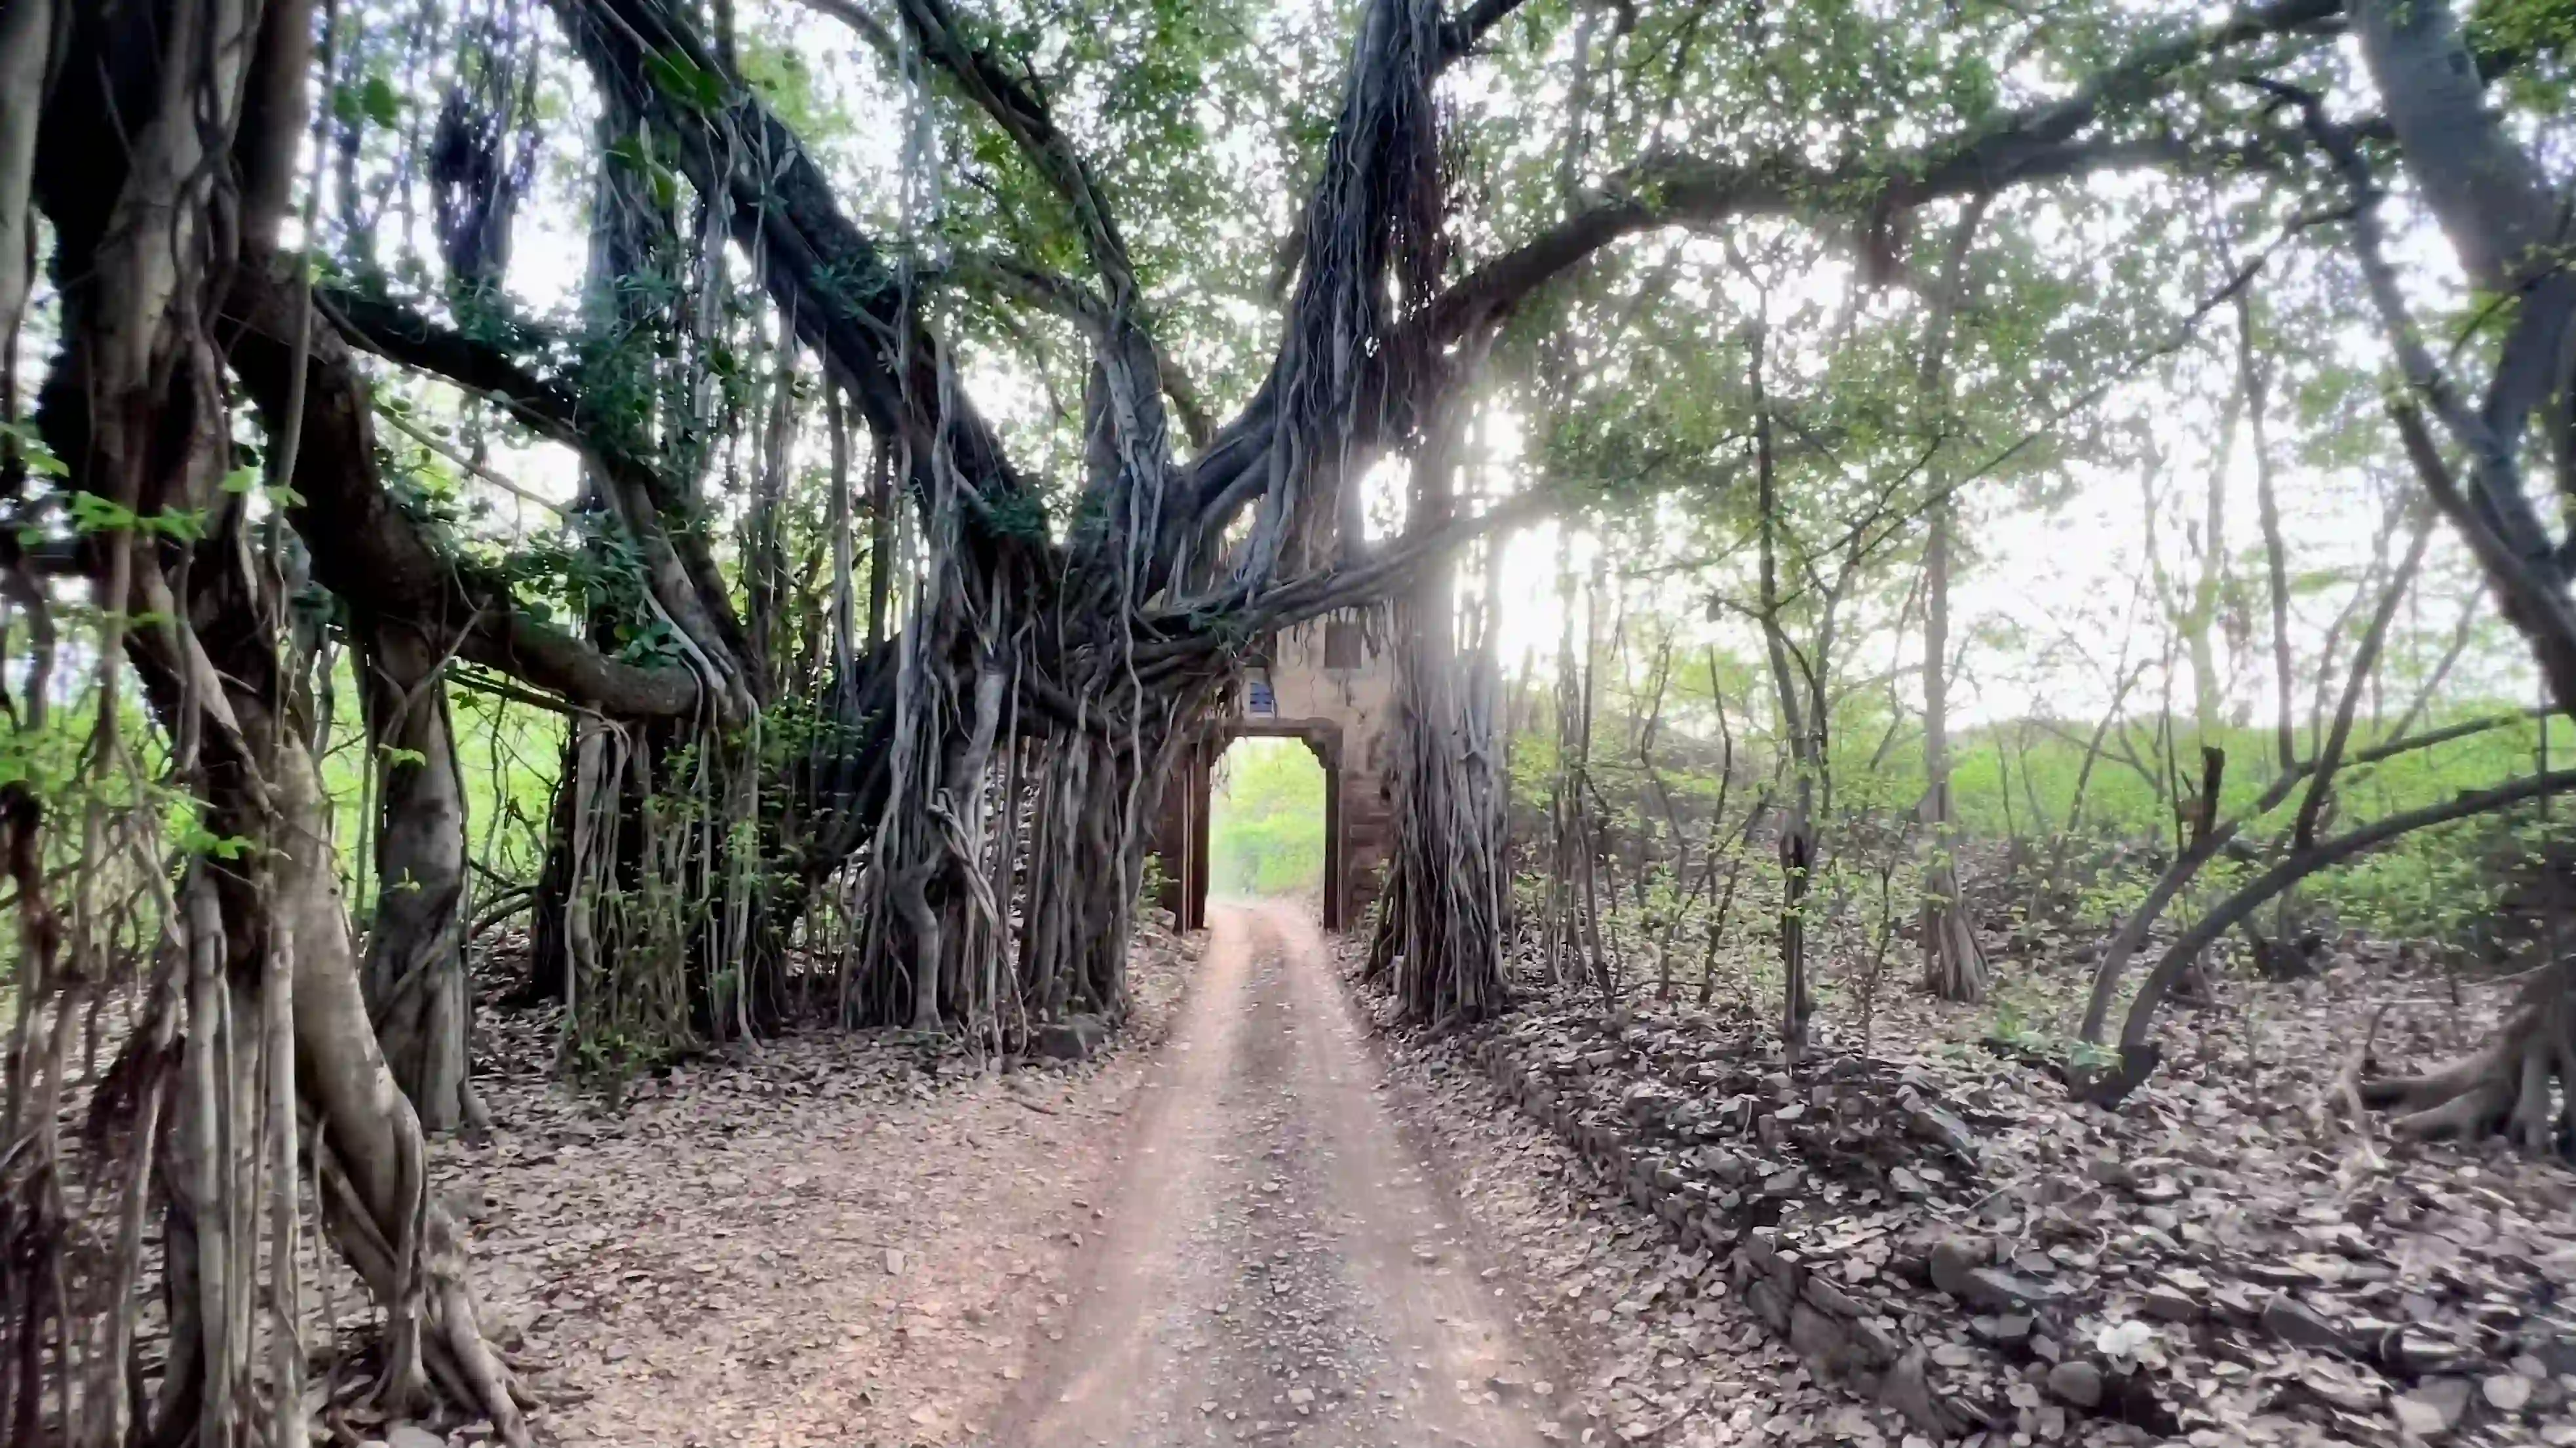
636,153
94,514
23,439
1150,883
1266,825
684,80
370,100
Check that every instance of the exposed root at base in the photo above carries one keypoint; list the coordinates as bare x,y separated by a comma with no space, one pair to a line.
2523,1086
436,1347
1955,967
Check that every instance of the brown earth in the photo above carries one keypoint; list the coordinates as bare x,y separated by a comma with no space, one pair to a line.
1282,1265
828,1240
1228,1230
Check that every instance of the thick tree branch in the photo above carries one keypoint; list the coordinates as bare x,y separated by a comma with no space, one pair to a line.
1460,33
845,297
2505,222
684,571
1694,191
551,408
1386,569
1130,452
2493,514
369,553
2491,200
2016,147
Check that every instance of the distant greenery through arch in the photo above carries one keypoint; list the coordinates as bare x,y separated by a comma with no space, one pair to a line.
1266,820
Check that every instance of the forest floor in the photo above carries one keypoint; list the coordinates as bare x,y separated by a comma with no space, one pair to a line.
1255,1219
842,1239
1240,1226
2231,1259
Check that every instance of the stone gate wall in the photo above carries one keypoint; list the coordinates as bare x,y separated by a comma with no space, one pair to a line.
1330,684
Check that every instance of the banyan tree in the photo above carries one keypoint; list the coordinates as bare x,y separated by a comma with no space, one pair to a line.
918,502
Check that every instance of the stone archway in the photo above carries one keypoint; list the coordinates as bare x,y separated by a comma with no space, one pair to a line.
1185,888
1320,683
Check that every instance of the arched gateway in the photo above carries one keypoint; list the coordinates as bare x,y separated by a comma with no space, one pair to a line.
1326,683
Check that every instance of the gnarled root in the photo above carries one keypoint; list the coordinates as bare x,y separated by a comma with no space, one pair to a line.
2514,1086
377,1201
434,1338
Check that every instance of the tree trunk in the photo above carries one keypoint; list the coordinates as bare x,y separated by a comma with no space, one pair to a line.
2273,950
1559,931
1797,867
415,979
377,1198
218,684
1441,927
1954,963
1798,821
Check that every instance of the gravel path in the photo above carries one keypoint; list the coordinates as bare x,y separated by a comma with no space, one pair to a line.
1280,1266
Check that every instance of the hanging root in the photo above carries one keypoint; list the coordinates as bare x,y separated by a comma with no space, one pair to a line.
2523,1085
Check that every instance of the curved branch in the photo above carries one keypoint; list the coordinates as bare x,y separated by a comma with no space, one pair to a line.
687,580
553,409
1695,191
1038,287
2212,837
2029,144
2298,866
368,552
1386,569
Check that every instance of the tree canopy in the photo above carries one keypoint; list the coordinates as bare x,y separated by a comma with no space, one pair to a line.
847,451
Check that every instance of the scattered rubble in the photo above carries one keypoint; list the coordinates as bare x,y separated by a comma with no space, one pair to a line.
1943,1233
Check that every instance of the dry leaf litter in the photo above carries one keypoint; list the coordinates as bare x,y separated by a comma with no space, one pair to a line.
1963,1254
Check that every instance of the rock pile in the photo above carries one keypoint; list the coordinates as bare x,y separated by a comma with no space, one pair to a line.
1951,1237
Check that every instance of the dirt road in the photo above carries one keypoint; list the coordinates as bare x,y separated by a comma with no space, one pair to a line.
1279,1267
1224,1236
